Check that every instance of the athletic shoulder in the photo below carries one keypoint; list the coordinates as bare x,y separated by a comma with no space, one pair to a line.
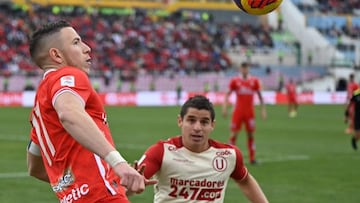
159,145
220,145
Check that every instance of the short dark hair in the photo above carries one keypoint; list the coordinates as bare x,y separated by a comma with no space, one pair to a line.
352,76
199,102
244,65
36,39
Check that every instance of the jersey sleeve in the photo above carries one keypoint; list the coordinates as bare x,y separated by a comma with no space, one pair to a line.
71,80
152,159
33,136
232,84
240,170
257,85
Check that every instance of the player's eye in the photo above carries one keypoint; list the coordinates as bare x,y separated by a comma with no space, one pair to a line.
191,120
205,122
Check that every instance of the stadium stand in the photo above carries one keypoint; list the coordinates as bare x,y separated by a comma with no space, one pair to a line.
337,21
148,45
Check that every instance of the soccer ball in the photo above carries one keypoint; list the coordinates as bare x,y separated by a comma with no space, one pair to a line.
258,7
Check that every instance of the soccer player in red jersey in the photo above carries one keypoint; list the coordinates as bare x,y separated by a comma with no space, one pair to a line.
354,103
292,98
71,146
192,167
351,87
245,86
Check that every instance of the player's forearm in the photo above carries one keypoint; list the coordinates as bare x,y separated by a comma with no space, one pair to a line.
252,190
78,123
41,176
84,130
36,167
226,102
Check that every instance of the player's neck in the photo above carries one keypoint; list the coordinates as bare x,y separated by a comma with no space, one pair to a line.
244,76
49,67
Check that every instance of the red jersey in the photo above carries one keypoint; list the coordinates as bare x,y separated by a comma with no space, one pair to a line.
291,92
245,90
351,87
185,176
76,174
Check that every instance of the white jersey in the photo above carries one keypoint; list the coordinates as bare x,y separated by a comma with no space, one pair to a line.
185,176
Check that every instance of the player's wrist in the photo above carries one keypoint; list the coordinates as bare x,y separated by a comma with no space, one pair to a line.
113,158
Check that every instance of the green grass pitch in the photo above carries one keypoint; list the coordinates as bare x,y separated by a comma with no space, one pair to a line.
307,159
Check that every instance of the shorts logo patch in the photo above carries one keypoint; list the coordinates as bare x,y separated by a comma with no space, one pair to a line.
68,80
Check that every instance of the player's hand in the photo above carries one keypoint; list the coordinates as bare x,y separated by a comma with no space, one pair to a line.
141,171
224,113
263,113
131,179
347,114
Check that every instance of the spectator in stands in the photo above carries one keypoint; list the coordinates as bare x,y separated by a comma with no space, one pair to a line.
216,87
206,87
29,86
152,84
178,92
281,82
310,57
6,78
128,43
280,54
119,85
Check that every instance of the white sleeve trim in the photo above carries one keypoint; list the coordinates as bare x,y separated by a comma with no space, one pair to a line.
61,91
34,149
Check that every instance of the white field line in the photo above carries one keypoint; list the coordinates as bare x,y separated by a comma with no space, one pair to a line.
276,159
18,138
11,137
14,175
284,158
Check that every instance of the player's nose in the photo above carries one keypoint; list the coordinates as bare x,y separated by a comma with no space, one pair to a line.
197,125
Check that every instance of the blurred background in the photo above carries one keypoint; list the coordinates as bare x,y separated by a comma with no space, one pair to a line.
158,45
160,52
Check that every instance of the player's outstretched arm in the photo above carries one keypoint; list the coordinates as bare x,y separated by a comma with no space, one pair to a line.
225,104
131,179
35,163
252,190
141,170
78,123
262,104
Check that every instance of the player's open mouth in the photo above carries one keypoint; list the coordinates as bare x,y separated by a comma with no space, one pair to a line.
196,137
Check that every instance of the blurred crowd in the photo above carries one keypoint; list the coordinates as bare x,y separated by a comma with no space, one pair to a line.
133,41
333,16
130,42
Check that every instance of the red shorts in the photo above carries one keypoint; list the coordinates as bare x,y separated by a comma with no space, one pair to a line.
292,99
238,120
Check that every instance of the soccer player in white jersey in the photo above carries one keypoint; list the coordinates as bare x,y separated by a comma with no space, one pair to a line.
192,167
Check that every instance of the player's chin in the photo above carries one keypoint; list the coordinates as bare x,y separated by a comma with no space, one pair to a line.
86,69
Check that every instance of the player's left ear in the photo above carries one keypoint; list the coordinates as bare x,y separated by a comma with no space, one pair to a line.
179,121
55,55
213,124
